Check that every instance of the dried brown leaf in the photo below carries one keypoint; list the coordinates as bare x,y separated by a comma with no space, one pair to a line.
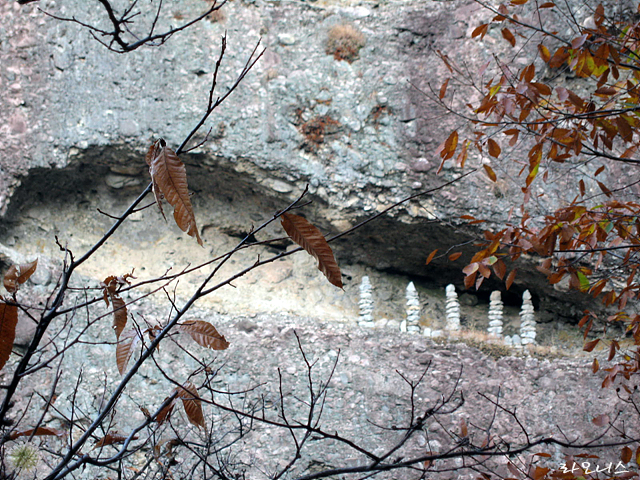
490,173
110,439
40,431
169,177
119,315
589,346
508,36
311,239
494,148
127,344
430,257
454,256
192,404
18,274
8,322
205,334
165,413
626,455
443,89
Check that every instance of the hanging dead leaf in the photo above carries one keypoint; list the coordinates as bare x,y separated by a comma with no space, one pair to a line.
18,274
8,322
119,315
40,431
312,240
110,439
204,334
169,177
127,344
166,412
192,404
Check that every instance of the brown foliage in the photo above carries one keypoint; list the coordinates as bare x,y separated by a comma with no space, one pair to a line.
129,340
18,274
204,334
169,177
312,240
188,393
8,322
592,242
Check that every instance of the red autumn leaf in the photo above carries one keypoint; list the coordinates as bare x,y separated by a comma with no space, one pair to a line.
595,366
169,177
589,346
8,322
469,280
500,269
480,30
204,334
192,404
430,257
18,274
313,242
511,278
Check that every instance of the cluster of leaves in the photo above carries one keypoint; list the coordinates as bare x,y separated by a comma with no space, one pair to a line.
593,243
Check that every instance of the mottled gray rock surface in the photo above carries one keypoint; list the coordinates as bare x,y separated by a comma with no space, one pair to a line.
360,134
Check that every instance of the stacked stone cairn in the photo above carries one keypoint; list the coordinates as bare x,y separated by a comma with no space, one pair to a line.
366,303
412,323
452,309
527,320
495,314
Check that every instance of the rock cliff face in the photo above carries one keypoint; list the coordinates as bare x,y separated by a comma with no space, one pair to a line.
76,120
337,109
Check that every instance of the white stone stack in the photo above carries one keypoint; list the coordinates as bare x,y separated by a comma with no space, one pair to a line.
452,309
413,309
495,314
527,320
366,303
